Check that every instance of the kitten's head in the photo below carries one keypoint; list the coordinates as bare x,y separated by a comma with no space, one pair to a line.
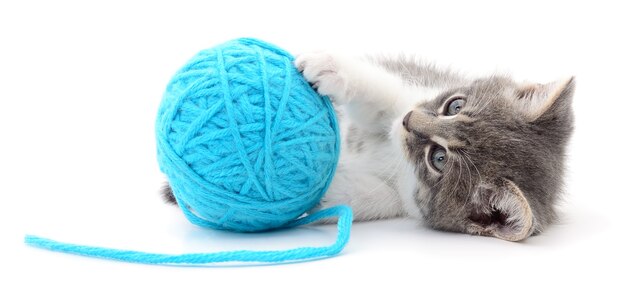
490,156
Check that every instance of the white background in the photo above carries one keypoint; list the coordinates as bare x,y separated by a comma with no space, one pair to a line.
81,82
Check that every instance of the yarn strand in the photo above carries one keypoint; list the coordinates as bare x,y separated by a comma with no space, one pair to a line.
344,224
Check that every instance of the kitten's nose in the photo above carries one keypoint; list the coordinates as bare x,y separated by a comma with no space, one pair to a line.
405,121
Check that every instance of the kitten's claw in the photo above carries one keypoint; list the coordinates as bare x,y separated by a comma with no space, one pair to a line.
322,71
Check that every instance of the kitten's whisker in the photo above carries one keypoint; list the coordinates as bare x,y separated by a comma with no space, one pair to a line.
451,194
442,177
458,178
484,104
480,177
469,171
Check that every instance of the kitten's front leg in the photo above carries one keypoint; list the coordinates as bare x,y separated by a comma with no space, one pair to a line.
373,96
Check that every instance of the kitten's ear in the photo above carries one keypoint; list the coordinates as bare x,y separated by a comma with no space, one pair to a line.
506,213
545,100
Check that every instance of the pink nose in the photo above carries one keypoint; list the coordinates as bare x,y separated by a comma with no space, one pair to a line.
405,121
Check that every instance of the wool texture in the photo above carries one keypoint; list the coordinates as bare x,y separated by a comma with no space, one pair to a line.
246,143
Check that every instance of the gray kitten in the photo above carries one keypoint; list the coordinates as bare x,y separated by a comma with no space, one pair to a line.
480,156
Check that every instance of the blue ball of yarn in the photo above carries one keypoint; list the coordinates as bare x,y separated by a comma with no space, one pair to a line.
245,142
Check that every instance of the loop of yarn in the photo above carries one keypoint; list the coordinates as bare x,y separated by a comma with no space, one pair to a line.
247,146
246,143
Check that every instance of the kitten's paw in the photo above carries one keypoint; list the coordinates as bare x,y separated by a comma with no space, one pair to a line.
324,71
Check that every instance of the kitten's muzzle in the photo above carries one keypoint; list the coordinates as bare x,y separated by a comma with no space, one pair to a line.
419,136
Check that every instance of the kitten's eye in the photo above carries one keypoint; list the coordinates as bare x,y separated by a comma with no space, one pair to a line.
438,158
454,106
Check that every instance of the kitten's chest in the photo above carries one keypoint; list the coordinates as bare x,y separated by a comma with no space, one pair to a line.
375,158
373,154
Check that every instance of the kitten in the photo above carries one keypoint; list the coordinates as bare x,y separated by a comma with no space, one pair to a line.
480,156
